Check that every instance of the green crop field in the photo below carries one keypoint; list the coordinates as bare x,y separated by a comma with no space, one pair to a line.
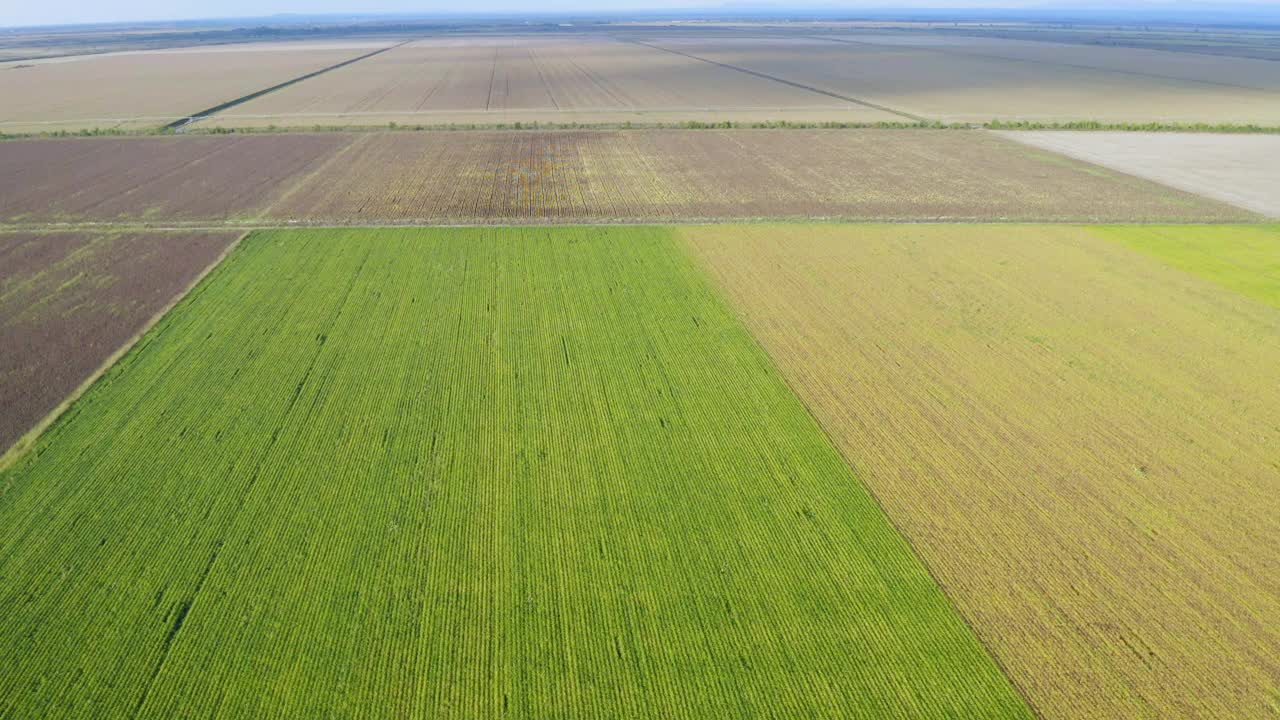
1244,258
461,473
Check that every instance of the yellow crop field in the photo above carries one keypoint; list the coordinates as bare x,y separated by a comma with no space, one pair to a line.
1079,440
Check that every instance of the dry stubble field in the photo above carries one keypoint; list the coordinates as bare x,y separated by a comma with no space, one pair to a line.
643,75
1189,67
978,87
151,89
573,176
1078,439
668,176
556,79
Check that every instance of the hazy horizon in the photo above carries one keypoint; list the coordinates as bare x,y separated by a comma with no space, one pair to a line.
75,12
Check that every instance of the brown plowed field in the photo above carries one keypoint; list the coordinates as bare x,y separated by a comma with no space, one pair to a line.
208,178
686,175
1079,440
68,301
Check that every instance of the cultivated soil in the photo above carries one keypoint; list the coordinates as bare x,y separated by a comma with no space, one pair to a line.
666,176
169,178
69,301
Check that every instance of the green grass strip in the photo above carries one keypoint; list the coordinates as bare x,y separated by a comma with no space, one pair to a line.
1243,258
473,473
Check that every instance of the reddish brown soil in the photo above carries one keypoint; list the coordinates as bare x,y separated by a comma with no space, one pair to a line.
206,178
68,301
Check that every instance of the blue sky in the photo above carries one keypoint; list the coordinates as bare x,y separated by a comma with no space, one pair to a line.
34,12
29,12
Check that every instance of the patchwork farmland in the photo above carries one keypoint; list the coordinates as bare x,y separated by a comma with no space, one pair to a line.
472,546
390,367
68,301
506,80
573,176
139,90
639,75
1051,453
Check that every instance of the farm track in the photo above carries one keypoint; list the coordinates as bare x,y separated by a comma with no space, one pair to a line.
441,537
53,228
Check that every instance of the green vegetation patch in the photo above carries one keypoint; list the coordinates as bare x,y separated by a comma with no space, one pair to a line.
1243,258
461,473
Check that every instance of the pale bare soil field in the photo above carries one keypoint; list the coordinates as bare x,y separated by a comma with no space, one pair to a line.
1243,170
495,177
1198,68
68,301
1079,440
105,179
530,79
641,75
1259,40
977,87
148,89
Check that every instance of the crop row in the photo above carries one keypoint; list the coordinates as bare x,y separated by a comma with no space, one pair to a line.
1079,440
462,473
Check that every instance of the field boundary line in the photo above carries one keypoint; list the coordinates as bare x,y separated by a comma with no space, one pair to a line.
792,83
203,114
565,125
663,221
28,440
702,266
300,182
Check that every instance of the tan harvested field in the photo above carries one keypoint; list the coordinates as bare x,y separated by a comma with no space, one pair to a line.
149,89
642,75
537,79
69,301
710,174
979,86
1243,170
103,179
1184,66
1080,441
